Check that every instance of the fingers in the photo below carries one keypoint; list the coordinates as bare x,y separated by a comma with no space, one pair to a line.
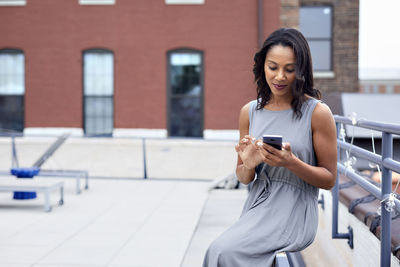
286,146
271,155
259,143
237,148
266,153
276,157
271,159
273,150
265,148
244,140
248,138
268,158
270,149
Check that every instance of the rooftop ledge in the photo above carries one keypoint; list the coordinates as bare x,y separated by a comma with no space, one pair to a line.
324,74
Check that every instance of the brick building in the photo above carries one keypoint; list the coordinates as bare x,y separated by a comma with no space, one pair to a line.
335,26
153,67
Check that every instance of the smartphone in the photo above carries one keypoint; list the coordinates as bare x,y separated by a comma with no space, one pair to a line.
273,140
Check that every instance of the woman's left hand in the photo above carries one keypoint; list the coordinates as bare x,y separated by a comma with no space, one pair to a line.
276,157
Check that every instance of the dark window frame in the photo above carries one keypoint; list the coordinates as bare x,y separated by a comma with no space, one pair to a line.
97,50
324,5
169,85
22,96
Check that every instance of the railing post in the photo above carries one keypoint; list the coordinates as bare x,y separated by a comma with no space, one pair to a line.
144,159
335,206
386,216
14,163
335,193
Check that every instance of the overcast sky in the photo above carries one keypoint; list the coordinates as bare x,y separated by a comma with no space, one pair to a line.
379,42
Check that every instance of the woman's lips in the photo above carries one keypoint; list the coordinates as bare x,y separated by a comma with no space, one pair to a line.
279,86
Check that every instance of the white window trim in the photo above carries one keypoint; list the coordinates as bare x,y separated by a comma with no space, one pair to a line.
12,2
324,74
97,2
52,131
184,2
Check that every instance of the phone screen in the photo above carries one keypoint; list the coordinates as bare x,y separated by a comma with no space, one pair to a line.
273,140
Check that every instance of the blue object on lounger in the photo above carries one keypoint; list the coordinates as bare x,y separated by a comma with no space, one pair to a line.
25,173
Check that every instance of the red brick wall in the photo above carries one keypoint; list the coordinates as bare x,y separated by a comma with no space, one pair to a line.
53,35
380,86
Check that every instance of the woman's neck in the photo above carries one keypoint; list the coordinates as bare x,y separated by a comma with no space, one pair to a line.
279,103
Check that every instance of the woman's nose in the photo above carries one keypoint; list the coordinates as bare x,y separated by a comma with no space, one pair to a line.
280,76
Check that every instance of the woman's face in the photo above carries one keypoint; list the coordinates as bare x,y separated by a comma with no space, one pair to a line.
279,69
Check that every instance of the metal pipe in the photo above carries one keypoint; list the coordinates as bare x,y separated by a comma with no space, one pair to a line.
335,216
335,195
372,125
260,28
380,126
360,152
335,207
391,164
371,188
341,119
386,217
360,181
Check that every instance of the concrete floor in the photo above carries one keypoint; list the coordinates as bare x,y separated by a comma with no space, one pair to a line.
222,209
122,220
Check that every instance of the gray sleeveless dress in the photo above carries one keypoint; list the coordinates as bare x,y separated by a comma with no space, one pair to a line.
281,211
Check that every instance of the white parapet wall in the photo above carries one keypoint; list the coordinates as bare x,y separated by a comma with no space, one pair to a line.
140,133
208,134
231,135
329,252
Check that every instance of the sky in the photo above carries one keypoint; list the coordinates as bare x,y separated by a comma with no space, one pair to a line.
379,39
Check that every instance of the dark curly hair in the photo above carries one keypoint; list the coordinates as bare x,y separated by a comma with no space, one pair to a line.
304,82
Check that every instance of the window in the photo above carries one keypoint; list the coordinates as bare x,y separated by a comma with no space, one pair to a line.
98,92
97,2
12,2
184,2
12,90
185,93
316,25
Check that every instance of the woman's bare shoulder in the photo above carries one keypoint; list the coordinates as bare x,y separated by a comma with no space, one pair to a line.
322,115
246,107
322,109
244,115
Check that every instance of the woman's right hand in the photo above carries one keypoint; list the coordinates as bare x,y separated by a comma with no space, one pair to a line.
249,152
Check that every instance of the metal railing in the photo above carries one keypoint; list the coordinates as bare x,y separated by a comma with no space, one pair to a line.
389,203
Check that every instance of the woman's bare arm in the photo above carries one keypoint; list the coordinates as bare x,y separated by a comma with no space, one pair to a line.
243,173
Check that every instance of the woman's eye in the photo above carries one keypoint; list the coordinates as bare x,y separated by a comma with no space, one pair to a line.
272,68
290,71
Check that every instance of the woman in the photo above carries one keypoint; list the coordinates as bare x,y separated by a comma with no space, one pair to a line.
281,211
